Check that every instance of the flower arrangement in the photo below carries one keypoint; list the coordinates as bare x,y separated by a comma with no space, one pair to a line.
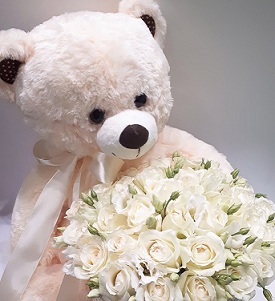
178,229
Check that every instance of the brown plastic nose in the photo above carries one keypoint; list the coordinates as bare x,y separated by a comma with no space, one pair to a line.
134,136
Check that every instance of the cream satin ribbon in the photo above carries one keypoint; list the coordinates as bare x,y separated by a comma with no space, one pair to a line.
34,239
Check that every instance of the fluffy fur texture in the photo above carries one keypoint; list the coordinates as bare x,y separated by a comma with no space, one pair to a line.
15,44
137,8
79,62
114,126
84,61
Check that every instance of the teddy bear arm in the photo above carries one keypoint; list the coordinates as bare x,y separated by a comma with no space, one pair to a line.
190,146
172,140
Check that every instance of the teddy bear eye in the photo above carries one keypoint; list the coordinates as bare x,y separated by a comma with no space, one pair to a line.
140,100
97,115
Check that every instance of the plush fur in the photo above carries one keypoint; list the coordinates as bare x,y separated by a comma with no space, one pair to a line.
82,61
78,63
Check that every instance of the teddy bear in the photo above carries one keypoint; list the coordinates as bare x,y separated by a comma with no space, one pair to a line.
96,89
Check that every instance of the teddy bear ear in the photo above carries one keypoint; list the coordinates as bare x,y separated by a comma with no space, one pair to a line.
15,50
149,12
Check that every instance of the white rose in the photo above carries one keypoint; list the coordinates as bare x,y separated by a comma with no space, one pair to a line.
74,231
138,210
146,268
220,291
207,254
79,210
196,288
160,290
148,178
234,241
68,268
163,188
72,211
109,220
264,265
120,194
118,281
119,242
214,179
184,252
178,218
103,192
211,218
163,248
269,232
195,204
245,194
101,188
243,289
190,181
92,257
71,254
152,172
270,249
256,217
236,195
87,213
264,207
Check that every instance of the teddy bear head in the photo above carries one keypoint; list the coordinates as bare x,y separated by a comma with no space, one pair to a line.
89,81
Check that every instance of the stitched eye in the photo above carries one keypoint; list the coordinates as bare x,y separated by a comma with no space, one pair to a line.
140,100
96,116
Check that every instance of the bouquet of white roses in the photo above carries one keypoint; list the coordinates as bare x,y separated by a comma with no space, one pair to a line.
176,230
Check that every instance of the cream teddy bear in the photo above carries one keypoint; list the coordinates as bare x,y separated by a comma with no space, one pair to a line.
96,89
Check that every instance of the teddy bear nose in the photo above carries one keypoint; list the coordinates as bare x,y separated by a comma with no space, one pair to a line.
134,136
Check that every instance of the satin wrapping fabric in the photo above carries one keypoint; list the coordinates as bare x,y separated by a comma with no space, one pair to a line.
34,239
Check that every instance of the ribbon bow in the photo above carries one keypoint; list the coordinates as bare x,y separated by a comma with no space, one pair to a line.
80,173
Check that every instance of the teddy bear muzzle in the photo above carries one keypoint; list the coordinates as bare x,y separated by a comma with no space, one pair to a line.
134,136
128,135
